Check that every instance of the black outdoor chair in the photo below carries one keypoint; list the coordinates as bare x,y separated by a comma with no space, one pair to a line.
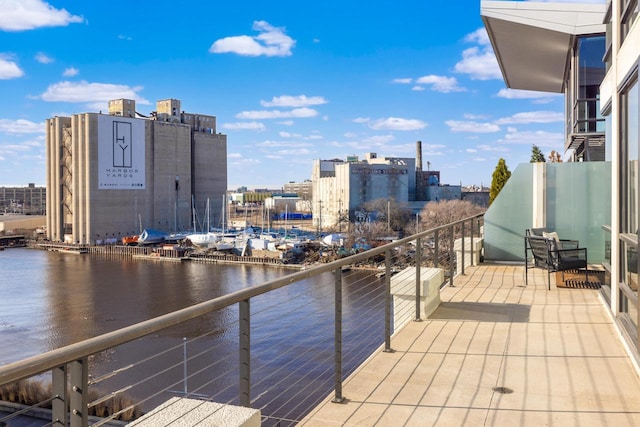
539,232
554,256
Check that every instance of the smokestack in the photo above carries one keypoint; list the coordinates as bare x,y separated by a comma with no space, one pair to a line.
419,178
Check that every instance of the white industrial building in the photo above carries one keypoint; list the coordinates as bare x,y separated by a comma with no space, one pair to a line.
342,187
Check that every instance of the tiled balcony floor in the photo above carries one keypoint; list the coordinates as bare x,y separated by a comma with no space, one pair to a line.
557,351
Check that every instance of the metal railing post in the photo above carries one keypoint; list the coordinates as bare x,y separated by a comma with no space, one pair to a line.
451,256
78,397
59,414
184,365
462,263
436,248
245,353
418,267
387,302
338,398
471,231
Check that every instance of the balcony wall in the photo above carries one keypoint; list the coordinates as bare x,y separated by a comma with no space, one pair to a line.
573,199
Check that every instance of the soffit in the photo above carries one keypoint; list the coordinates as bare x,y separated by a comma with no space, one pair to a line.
532,41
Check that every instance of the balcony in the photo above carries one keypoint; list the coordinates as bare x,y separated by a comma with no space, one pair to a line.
495,351
587,131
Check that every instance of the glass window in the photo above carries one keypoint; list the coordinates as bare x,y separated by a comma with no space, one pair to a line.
629,15
589,75
630,139
629,143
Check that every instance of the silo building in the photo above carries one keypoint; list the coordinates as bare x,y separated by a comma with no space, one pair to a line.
112,175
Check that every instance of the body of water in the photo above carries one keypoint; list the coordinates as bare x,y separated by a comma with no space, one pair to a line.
49,300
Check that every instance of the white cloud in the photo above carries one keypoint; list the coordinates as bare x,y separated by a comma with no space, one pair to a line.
479,36
272,144
525,94
471,150
532,117
361,120
378,139
294,101
70,72
20,126
234,155
418,88
271,41
441,83
471,126
404,81
286,123
277,114
295,152
9,70
124,37
493,148
19,15
285,134
91,92
243,161
244,126
397,123
539,138
479,64
43,58
350,134
475,116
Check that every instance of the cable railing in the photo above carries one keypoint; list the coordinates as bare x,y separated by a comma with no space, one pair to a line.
230,349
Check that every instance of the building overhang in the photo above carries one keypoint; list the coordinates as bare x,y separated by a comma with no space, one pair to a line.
533,40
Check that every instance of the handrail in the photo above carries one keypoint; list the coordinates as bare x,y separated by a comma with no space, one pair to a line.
53,359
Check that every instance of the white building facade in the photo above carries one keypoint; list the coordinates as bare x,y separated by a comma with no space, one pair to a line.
341,187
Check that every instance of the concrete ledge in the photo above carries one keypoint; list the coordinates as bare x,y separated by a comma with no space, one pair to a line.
183,412
403,289
477,248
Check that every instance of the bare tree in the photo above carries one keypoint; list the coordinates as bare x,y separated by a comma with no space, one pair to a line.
393,215
436,214
445,212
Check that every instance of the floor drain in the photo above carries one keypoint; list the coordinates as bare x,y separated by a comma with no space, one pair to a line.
503,390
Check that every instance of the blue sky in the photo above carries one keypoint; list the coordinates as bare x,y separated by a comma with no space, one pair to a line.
289,82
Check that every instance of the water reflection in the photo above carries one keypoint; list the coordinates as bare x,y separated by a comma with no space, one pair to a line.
52,299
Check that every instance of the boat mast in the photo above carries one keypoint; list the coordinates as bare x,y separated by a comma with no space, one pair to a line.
224,209
193,214
208,221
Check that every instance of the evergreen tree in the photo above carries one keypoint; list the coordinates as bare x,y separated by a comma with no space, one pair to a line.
536,154
499,178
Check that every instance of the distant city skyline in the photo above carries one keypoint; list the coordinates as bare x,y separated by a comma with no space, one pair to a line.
288,83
